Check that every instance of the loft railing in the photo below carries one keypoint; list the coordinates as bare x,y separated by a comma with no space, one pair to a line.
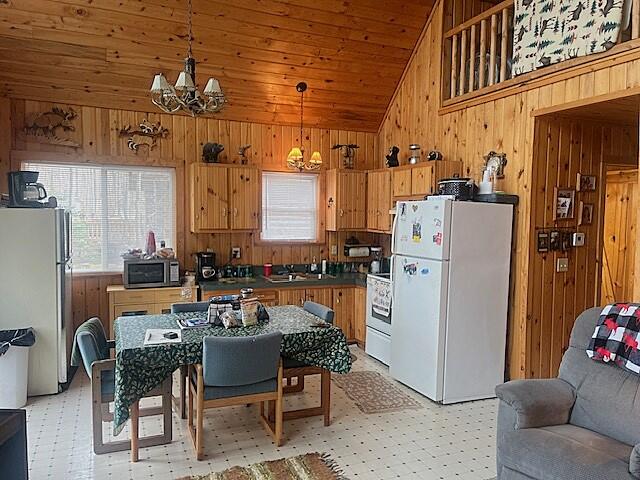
477,53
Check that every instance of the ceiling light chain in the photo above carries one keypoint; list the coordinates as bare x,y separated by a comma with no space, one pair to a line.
295,159
185,95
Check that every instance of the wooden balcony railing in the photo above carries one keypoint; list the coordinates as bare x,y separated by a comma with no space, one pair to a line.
477,53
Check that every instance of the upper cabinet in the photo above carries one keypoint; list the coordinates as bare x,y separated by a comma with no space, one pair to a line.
346,200
379,201
414,181
224,197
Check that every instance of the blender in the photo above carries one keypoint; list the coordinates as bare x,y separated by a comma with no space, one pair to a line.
376,253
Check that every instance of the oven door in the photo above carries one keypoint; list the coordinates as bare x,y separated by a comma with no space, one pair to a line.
376,319
145,274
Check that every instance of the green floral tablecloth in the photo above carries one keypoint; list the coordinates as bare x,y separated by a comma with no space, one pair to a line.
141,368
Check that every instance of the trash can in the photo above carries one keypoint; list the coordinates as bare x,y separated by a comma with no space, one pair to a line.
14,366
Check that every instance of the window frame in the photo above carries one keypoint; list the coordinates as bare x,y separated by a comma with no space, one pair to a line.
320,217
63,162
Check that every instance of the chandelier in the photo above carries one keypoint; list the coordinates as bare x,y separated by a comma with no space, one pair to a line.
185,95
295,159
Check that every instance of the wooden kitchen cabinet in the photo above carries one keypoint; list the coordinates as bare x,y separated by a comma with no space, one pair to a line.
291,296
360,316
346,199
344,306
323,296
244,185
401,179
145,301
422,180
297,296
379,201
224,197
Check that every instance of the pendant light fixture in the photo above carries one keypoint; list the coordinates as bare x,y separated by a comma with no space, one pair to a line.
295,159
185,95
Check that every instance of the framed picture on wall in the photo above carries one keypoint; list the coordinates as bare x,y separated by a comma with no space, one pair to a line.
586,183
585,213
564,199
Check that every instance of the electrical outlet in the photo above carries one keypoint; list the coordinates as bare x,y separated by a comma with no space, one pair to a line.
562,265
235,252
334,250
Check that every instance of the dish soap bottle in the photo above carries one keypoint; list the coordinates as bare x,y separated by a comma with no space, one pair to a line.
314,266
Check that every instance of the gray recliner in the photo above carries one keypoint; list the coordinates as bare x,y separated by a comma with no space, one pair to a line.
583,425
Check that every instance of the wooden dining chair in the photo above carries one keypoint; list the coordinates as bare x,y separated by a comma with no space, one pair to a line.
298,370
94,348
181,403
237,371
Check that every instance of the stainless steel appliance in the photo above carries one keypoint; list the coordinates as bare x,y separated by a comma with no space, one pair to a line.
160,272
379,314
205,266
26,192
35,289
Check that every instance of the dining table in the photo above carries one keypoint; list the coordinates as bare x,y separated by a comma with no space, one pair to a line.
139,368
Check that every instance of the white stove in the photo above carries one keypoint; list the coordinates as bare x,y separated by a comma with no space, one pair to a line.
379,313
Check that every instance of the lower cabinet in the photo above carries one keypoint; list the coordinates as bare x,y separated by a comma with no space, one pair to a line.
360,316
292,296
145,301
343,306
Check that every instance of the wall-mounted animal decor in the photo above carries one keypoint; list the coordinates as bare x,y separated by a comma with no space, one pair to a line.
50,127
392,157
210,152
146,134
348,153
242,151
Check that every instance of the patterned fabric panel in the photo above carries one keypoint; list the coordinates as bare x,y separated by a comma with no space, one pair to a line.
551,31
616,336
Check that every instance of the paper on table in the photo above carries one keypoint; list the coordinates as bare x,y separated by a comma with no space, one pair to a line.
155,336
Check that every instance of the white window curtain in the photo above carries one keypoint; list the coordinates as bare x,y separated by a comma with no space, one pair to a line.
289,207
112,208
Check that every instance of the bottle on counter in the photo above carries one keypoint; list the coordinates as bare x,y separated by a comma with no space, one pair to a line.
314,266
324,266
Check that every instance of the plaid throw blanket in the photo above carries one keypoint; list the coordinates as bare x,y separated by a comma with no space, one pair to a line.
616,336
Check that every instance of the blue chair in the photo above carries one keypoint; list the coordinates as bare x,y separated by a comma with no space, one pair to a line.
236,371
94,350
298,370
186,308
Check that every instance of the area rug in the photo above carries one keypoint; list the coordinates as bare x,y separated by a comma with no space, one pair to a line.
372,393
311,466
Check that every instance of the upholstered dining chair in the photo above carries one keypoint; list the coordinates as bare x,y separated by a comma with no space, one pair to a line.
94,350
236,371
186,308
298,370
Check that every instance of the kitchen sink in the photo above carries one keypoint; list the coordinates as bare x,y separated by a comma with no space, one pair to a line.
296,277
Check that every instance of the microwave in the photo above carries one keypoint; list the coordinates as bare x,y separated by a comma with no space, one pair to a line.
161,272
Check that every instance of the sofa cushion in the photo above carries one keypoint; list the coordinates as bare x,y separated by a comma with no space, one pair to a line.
564,452
607,397
634,461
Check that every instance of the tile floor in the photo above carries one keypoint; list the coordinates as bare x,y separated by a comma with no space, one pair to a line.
436,442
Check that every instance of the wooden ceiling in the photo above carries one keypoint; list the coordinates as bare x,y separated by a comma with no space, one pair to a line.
105,52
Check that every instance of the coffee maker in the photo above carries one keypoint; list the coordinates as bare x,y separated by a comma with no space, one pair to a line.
205,266
26,192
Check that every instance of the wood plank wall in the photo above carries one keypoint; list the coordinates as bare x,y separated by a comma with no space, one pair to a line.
564,148
501,122
619,236
97,133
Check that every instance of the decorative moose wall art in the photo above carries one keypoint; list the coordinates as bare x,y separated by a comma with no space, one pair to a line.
52,127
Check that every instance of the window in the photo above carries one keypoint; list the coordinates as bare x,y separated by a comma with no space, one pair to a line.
112,208
289,207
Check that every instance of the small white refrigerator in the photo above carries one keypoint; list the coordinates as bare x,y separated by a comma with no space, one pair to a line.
35,289
451,264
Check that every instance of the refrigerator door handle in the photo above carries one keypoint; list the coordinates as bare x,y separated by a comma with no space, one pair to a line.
68,232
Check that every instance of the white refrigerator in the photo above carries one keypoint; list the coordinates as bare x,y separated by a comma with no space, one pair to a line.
35,289
451,264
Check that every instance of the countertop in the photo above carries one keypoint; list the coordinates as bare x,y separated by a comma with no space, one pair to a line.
258,282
